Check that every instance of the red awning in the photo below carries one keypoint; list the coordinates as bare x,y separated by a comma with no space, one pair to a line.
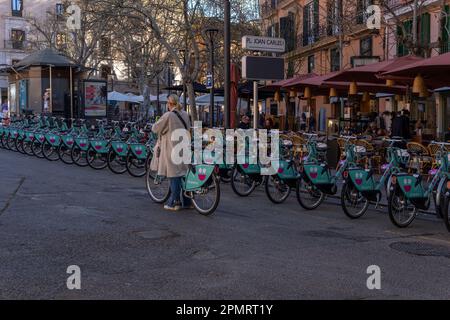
434,70
370,73
321,84
287,82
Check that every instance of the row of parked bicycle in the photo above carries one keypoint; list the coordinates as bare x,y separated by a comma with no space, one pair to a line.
129,147
121,147
313,180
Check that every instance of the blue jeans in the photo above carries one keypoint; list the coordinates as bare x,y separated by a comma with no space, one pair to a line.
176,195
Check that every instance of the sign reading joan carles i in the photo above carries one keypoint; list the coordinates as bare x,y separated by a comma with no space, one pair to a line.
266,44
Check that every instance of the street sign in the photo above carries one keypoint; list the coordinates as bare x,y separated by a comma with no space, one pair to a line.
262,68
209,81
265,44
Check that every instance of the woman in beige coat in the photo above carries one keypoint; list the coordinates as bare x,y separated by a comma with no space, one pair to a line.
174,119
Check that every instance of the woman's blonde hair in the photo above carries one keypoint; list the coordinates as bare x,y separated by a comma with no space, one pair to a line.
173,99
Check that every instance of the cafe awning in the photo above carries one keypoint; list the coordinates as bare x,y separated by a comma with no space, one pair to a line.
320,85
434,70
370,73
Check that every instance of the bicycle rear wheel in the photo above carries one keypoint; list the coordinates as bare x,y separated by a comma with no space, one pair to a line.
158,187
207,198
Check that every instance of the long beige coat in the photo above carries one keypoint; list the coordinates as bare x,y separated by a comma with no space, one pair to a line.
168,123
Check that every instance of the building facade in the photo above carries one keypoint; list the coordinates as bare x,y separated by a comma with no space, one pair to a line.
321,37
15,30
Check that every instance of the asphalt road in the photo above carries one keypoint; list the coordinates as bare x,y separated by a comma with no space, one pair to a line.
53,216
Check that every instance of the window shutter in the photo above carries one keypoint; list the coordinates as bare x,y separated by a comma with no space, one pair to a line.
425,30
316,20
305,26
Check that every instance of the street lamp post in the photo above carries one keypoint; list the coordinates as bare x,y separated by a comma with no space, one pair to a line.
227,64
183,53
211,35
169,82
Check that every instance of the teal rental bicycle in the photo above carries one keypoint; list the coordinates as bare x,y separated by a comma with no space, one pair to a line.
316,179
408,193
200,184
360,187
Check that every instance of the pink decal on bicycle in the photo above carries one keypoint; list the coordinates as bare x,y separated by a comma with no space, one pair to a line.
280,170
98,147
408,188
202,174
245,165
52,140
358,181
139,151
432,172
385,166
41,139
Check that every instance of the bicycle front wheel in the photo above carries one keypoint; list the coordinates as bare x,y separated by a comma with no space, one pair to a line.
445,212
308,195
207,199
96,160
401,212
136,167
277,190
353,203
242,184
117,164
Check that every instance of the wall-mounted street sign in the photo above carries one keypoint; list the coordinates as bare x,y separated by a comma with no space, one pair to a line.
209,81
262,68
265,44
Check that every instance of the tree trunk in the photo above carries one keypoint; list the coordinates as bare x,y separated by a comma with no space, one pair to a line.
191,95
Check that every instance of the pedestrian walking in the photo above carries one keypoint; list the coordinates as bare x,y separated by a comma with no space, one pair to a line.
162,162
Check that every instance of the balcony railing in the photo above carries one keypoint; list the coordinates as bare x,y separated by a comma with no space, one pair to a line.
313,36
17,45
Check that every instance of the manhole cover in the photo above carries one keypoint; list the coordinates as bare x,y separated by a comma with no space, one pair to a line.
421,249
